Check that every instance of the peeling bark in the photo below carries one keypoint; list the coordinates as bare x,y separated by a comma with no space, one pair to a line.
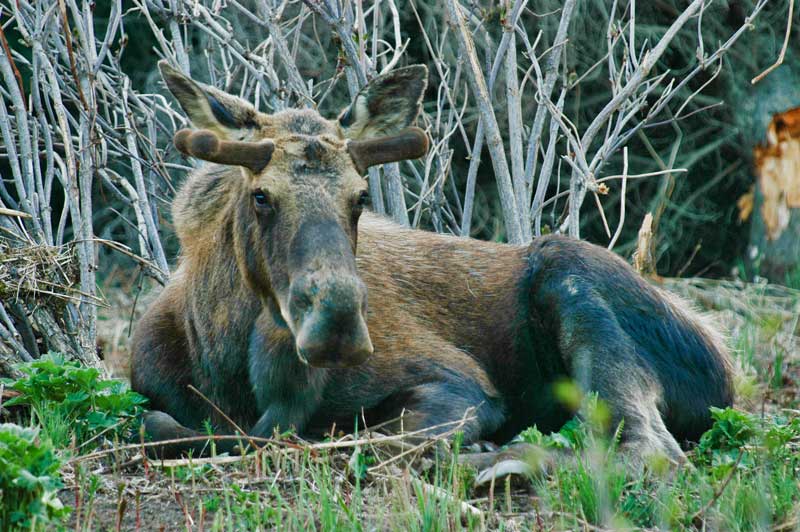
774,250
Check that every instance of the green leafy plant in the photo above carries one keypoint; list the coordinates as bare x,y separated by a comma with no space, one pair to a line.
29,480
577,433
732,429
71,402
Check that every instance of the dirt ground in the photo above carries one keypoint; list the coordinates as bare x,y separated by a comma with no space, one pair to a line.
761,321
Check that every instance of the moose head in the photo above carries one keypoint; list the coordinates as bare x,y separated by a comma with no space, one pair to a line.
302,190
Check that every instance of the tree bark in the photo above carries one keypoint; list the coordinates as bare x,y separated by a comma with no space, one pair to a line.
774,250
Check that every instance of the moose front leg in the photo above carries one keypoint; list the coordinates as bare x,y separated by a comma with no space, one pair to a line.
287,391
455,402
284,415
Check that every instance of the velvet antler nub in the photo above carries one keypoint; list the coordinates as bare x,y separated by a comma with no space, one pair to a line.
206,145
411,143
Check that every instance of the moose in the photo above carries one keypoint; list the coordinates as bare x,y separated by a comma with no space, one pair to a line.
293,306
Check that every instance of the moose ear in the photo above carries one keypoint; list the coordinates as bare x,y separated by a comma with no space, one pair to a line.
207,107
386,104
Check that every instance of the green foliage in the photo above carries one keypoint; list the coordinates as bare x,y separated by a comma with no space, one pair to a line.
744,478
242,509
793,278
29,480
360,462
578,433
72,402
732,429
314,499
736,432
573,435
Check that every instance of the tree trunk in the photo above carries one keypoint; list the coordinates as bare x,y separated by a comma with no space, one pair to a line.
774,250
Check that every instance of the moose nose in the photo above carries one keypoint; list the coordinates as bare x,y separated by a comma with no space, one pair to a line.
338,350
331,331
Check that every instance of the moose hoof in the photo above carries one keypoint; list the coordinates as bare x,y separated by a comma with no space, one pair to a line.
519,459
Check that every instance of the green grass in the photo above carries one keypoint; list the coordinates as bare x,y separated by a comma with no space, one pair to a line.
743,474
743,477
793,278
739,467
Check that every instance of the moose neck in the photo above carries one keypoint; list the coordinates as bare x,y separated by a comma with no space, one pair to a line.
205,215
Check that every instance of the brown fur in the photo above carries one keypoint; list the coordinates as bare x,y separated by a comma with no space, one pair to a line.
455,323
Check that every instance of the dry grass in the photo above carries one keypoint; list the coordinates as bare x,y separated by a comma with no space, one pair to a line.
38,272
358,482
127,297
763,324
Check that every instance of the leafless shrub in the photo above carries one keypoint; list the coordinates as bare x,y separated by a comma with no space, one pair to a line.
78,124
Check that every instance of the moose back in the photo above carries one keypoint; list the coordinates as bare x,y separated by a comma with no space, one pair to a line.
292,307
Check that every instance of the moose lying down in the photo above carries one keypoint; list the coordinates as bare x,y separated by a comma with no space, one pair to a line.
292,307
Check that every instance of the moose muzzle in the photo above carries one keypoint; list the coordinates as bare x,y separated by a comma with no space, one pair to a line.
329,317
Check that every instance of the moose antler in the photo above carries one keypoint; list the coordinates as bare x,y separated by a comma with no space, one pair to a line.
411,143
206,145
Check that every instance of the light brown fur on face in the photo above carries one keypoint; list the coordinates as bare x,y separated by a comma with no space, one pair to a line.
310,171
290,308
310,175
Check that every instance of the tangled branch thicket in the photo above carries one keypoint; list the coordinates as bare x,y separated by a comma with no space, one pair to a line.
553,90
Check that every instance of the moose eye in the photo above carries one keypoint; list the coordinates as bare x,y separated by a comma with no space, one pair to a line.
260,198
363,198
